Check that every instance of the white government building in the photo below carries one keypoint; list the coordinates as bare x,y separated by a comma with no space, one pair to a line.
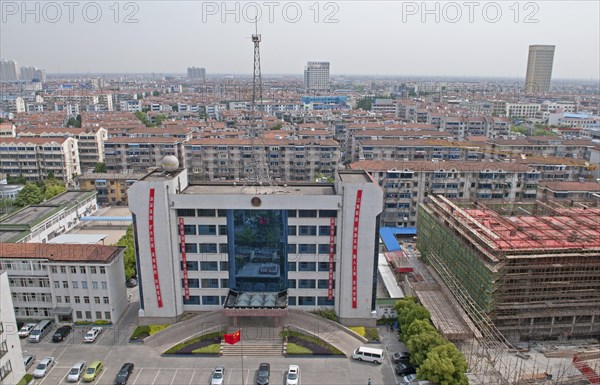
256,249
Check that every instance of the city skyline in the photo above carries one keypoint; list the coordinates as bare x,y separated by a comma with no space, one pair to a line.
385,39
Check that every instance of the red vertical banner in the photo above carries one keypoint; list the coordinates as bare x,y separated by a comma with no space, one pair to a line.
331,257
153,247
355,250
186,288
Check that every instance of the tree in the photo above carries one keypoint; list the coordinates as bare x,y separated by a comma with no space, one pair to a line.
365,103
421,344
276,126
155,93
418,327
31,194
444,365
129,255
100,167
53,190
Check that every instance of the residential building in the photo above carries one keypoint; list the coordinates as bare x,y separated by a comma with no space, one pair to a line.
569,191
12,368
532,268
124,154
316,76
407,184
41,223
67,282
539,69
215,245
111,188
8,70
34,158
288,159
196,73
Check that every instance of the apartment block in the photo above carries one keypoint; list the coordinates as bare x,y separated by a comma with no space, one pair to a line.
34,158
407,184
136,155
288,160
66,282
90,141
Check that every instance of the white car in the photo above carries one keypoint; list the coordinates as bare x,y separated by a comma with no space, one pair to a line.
26,330
28,360
43,367
76,371
409,378
293,375
217,376
92,334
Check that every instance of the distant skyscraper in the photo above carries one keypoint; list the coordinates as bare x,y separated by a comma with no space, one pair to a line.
8,70
316,76
28,73
196,73
539,69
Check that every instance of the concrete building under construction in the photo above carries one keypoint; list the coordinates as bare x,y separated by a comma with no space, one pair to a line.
533,269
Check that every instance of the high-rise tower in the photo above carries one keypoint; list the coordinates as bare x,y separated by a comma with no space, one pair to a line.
539,69
316,76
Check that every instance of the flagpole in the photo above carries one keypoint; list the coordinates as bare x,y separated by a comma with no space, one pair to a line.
242,348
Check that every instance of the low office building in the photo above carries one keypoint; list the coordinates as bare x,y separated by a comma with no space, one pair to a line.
11,358
256,247
67,282
40,223
111,189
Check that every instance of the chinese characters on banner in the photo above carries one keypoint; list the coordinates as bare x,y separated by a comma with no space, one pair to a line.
355,249
153,247
331,257
186,288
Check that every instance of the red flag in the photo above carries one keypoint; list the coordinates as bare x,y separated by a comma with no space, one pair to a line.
232,338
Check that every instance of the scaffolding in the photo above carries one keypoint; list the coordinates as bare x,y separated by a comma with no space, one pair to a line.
525,277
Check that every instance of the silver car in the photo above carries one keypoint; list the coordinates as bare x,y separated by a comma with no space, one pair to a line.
217,376
76,371
43,367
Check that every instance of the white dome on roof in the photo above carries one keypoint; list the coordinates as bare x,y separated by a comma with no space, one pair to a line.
170,163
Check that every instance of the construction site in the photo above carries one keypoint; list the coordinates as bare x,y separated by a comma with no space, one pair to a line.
514,277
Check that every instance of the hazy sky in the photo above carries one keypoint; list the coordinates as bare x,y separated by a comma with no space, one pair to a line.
462,38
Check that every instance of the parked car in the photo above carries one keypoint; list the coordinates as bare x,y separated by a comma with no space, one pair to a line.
262,376
92,371
25,330
61,333
28,360
124,374
76,371
404,369
217,375
43,367
401,357
409,378
92,334
131,282
293,375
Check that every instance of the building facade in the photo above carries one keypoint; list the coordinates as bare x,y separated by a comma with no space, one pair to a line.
539,69
66,282
196,73
229,239
316,76
11,358
111,189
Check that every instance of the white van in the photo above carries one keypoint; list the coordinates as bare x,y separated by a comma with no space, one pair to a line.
40,331
365,353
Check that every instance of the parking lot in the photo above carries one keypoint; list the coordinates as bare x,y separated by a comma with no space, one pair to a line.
152,369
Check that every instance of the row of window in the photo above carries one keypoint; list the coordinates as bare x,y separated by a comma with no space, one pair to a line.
223,213
213,283
224,266
42,297
309,284
88,315
222,230
292,301
84,284
86,299
82,269
301,248
29,282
